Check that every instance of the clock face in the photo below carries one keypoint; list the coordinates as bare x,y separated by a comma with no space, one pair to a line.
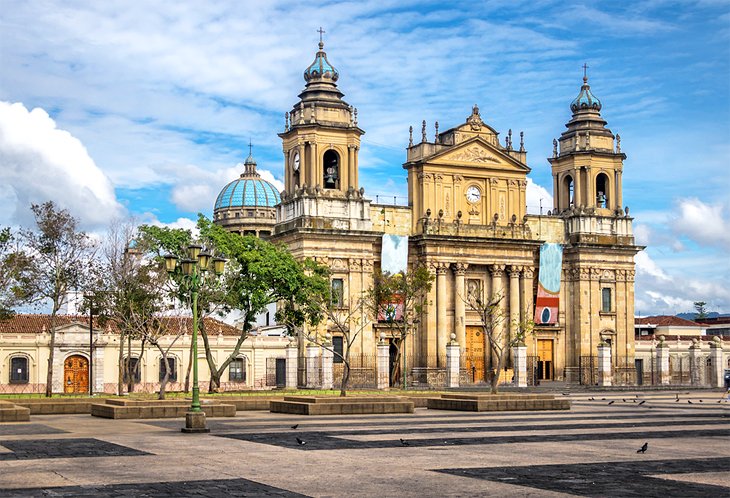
295,161
473,194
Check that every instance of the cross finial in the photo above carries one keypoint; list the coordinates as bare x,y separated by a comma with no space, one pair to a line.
250,147
321,32
585,72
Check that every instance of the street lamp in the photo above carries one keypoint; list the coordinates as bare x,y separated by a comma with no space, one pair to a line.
193,268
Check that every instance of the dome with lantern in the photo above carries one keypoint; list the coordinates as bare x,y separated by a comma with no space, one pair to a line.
247,204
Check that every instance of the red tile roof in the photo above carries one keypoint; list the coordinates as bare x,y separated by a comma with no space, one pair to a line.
666,320
36,324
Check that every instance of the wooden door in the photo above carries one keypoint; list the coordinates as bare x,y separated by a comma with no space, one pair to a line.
474,352
76,375
545,359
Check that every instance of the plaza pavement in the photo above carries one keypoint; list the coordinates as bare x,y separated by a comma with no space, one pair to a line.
590,450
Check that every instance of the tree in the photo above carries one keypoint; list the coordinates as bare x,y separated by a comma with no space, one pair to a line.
60,259
701,310
498,331
15,274
346,321
129,291
260,273
398,300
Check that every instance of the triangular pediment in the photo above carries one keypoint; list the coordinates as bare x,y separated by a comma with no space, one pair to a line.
478,152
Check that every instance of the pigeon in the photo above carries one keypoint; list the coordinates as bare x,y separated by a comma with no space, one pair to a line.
295,426
700,401
719,401
403,442
643,448
624,400
565,394
611,402
644,401
301,442
591,398
603,399
689,401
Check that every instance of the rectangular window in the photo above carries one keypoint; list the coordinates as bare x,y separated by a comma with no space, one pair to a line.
136,372
338,292
173,369
338,346
19,370
237,370
606,304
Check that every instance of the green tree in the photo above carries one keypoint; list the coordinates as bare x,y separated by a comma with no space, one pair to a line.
60,257
700,307
15,274
260,273
399,300
129,291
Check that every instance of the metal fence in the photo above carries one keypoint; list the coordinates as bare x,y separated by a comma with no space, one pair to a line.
363,374
588,370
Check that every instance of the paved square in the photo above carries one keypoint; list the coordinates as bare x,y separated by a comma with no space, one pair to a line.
590,450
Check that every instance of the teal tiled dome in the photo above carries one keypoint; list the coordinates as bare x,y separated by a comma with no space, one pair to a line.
321,68
585,99
248,191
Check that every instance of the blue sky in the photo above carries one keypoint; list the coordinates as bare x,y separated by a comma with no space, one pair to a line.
145,109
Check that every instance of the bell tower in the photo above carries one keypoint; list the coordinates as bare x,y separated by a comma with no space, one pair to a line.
587,161
598,246
321,137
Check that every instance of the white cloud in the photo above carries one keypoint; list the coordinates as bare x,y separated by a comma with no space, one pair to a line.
40,162
704,223
537,196
646,265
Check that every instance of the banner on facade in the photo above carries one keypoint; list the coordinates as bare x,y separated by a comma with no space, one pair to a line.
394,259
548,286
394,256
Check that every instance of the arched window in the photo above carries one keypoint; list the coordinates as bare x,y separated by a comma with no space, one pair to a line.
18,370
173,369
331,162
568,192
602,190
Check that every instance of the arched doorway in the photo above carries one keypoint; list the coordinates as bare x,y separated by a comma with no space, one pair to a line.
76,374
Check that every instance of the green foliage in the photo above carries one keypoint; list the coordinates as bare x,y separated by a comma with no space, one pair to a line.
15,274
700,307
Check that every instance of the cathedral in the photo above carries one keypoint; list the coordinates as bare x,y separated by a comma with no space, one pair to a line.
571,271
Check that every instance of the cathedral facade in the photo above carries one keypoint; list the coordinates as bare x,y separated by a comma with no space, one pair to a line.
466,221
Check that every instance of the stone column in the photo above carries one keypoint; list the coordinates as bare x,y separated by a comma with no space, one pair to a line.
453,354
291,364
498,321
312,366
695,369
442,326
429,327
460,303
519,357
327,364
718,370
662,362
382,372
528,310
604,364
514,300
